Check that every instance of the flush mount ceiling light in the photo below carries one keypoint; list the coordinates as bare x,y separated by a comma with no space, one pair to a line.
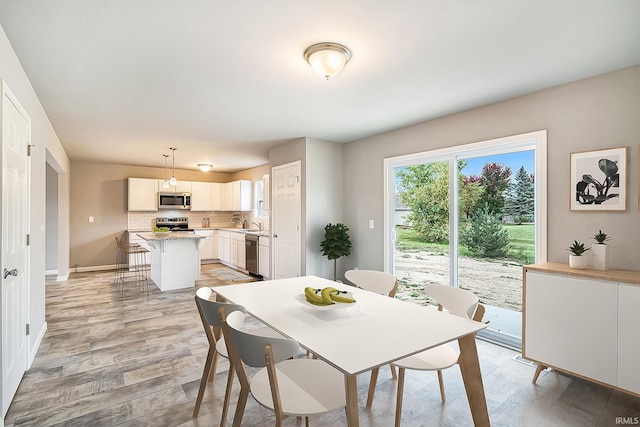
173,181
205,167
327,59
165,184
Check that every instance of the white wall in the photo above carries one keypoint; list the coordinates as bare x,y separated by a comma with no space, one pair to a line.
591,114
47,146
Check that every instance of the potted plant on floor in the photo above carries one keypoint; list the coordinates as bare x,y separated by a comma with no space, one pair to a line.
336,243
576,260
600,252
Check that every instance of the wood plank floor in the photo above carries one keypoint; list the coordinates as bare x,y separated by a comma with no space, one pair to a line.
137,361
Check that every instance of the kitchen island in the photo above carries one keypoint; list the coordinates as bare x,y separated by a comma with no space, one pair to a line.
175,261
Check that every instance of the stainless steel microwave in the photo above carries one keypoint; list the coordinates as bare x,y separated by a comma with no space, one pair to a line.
174,200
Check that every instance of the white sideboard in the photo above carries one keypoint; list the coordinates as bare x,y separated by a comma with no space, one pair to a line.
583,322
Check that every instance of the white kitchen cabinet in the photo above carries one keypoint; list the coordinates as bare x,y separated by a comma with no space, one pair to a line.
225,196
264,257
628,337
236,196
142,194
182,187
224,246
207,245
238,250
583,322
216,196
201,196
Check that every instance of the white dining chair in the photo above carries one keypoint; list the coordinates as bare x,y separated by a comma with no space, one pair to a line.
456,301
382,283
288,386
210,315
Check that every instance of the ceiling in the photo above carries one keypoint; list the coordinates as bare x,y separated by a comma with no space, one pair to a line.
224,81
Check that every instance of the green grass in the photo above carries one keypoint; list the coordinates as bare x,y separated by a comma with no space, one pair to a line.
521,243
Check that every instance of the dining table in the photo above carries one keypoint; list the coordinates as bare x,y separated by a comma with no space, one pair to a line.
358,337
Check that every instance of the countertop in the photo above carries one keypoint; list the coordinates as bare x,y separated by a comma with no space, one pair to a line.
172,235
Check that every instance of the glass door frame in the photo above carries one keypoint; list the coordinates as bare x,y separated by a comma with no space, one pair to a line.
529,141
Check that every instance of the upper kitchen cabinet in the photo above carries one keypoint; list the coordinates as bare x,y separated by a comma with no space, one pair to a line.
180,187
241,195
236,196
201,196
143,194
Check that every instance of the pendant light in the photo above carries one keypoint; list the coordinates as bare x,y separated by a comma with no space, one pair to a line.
173,181
165,184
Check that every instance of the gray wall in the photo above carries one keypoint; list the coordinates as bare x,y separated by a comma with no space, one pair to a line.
47,148
51,240
591,114
324,184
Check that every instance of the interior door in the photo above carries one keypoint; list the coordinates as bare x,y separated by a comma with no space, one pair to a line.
16,129
287,218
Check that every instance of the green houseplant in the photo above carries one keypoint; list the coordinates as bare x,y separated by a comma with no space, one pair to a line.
336,243
600,252
576,260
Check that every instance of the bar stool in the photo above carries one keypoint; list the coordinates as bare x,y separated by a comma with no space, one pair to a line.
131,258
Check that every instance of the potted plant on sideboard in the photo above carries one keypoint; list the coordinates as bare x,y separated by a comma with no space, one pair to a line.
599,252
576,260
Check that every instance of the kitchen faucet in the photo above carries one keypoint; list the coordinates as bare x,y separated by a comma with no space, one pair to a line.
259,224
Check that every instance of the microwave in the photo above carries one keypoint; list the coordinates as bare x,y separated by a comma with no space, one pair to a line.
174,200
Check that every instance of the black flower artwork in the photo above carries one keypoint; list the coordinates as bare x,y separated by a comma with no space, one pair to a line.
590,191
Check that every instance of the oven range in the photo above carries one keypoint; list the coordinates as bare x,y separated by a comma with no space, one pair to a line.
174,224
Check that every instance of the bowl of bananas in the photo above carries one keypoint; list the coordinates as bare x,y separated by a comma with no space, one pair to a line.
328,298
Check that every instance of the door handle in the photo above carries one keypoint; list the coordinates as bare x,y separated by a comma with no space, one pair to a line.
8,273
275,236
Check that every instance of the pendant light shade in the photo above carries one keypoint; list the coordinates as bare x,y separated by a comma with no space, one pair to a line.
327,59
173,181
165,184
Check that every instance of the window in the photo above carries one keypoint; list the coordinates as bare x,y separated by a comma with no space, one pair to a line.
469,216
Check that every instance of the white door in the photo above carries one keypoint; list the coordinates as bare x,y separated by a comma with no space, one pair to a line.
16,130
287,208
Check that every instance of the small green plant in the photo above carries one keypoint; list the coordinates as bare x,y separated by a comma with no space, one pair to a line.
577,248
601,237
336,243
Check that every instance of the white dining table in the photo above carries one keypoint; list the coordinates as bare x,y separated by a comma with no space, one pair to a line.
355,338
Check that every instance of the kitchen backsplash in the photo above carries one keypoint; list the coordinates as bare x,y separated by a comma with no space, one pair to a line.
146,220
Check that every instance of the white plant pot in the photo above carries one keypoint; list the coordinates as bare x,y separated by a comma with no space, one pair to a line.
599,256
578,262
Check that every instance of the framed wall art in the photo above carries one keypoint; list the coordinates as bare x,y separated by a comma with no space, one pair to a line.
599,180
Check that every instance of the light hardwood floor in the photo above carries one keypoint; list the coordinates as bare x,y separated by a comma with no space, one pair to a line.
137,361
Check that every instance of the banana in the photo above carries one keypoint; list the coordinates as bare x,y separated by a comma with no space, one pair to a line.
311,296
326,295
340,298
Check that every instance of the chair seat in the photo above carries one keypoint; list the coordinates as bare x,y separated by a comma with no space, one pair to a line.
434,359
307,387
221,346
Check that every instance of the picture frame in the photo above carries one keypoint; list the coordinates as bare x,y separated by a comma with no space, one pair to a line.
599,180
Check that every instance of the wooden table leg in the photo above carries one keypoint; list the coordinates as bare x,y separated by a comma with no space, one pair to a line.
539,369
470,368
351,389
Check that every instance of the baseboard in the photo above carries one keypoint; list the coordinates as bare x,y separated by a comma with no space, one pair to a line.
34,350
51,272
92,268
62,278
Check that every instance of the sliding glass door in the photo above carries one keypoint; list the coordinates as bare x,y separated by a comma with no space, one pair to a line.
469,216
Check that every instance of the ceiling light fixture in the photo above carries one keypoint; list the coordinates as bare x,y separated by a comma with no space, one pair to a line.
205,167
327,59
173,181
165,184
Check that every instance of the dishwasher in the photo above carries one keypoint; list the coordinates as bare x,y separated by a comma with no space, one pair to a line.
251,247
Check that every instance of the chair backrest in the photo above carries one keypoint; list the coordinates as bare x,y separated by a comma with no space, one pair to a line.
457,301
374,281
210,310
251,347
